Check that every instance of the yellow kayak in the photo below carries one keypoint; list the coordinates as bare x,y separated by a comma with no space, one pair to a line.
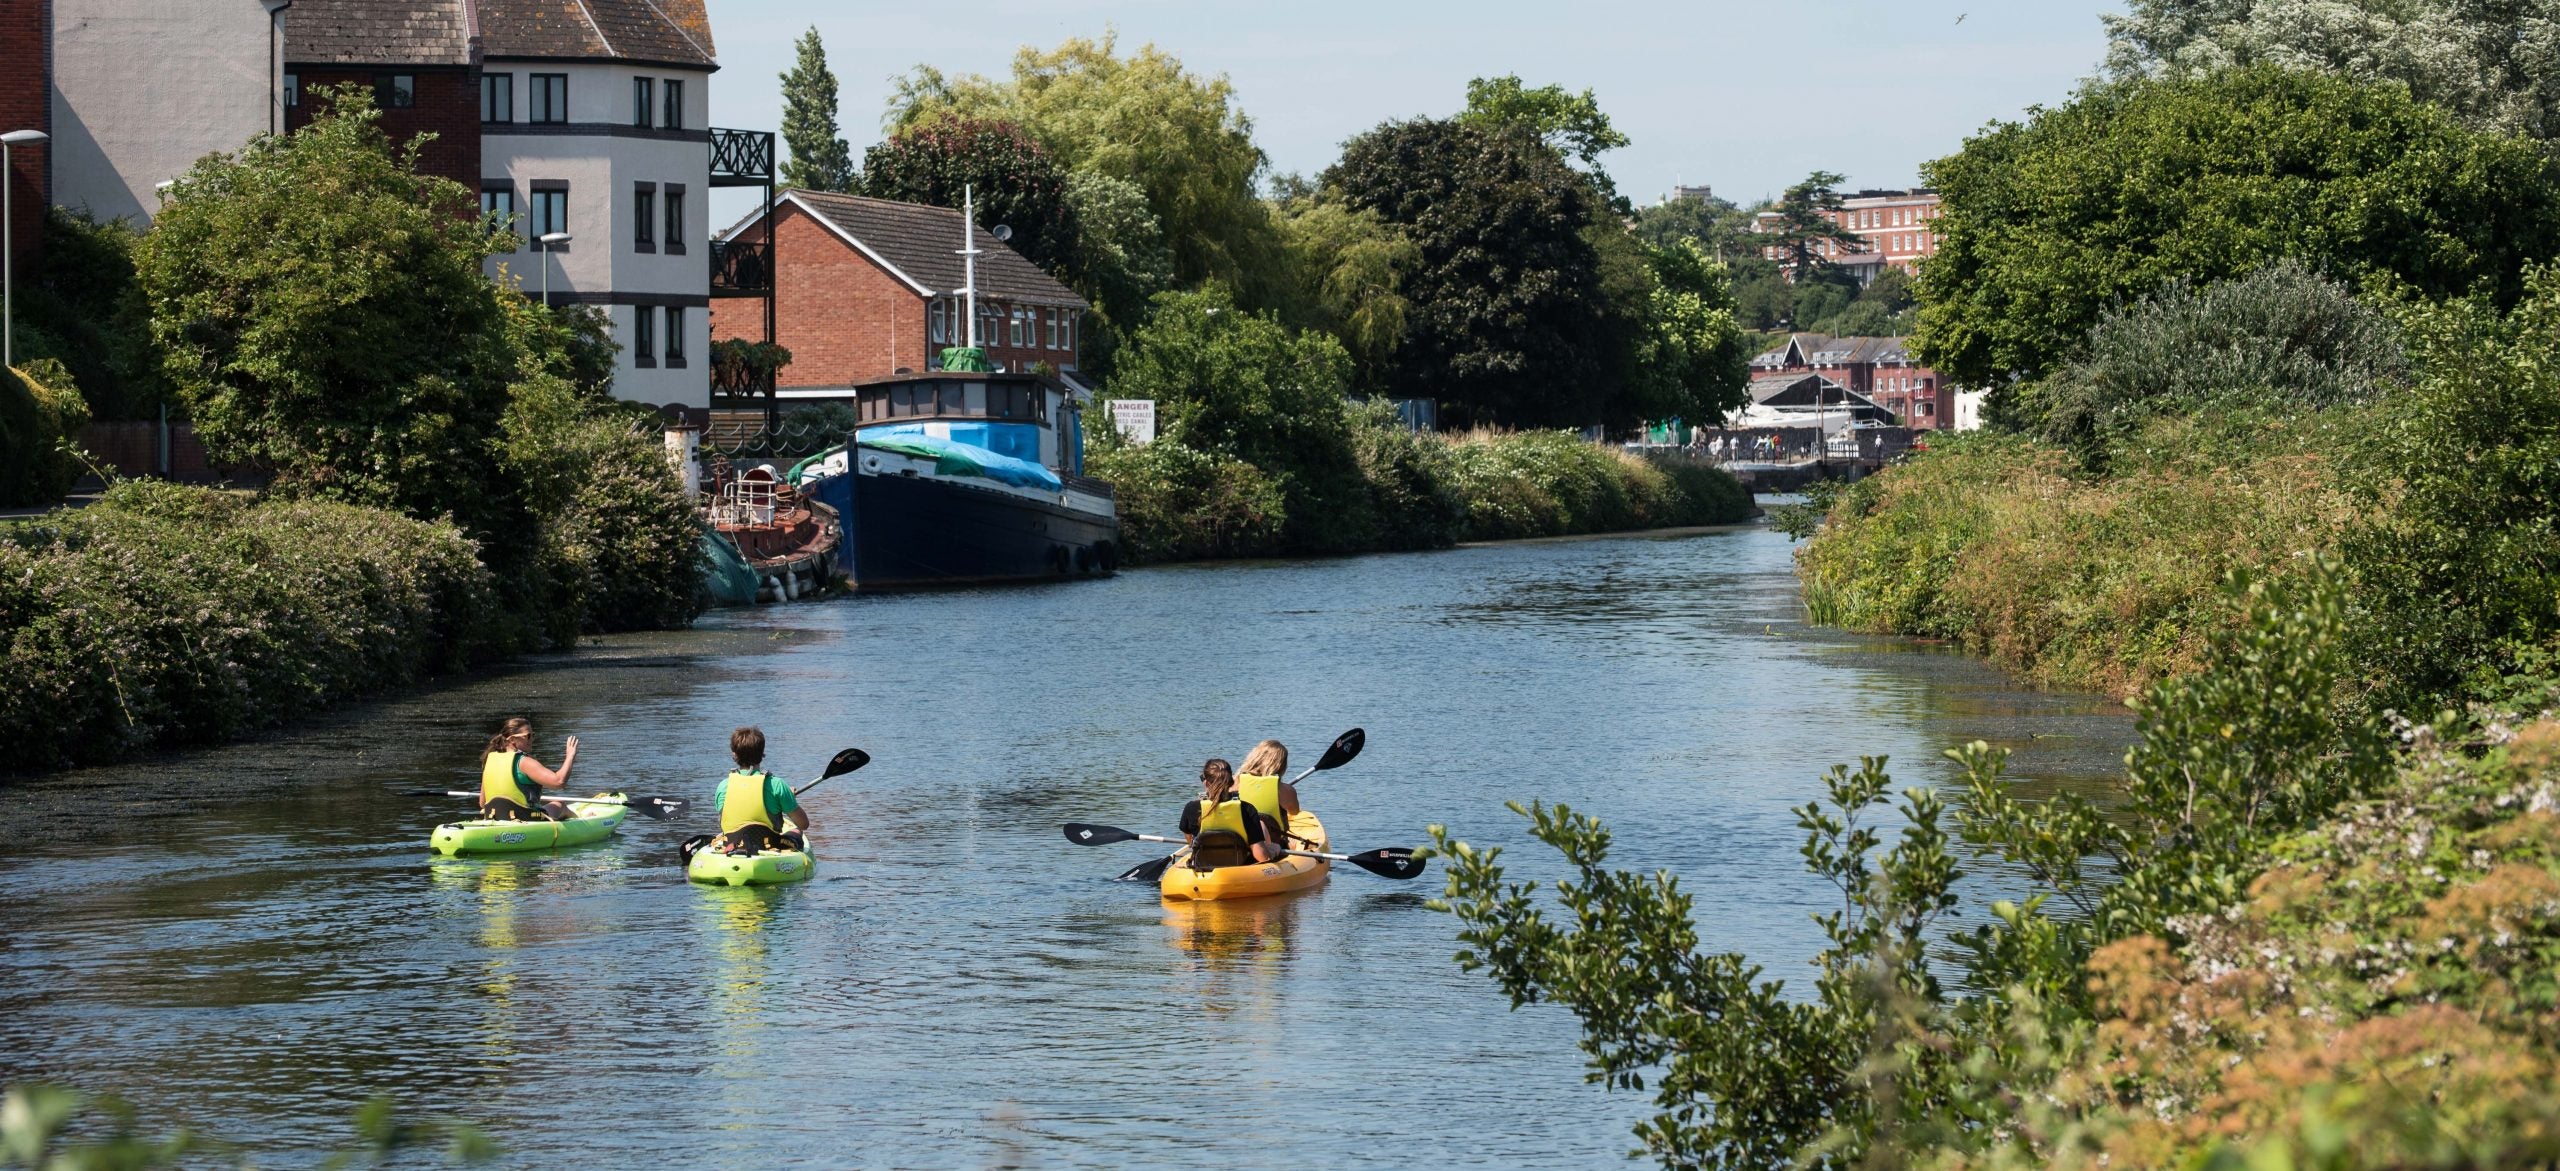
1290,873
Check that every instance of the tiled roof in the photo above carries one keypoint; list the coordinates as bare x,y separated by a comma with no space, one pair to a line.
668,32
378,32
921,241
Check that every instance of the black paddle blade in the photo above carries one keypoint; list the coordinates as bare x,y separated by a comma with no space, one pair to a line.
1392,862
845,762
658,808
1343,748
1147,871
692,846
1097,835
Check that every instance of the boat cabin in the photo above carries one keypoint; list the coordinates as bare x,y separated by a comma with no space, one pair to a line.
1025,416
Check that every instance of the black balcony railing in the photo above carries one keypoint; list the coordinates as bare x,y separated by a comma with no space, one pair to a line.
741,158
741,268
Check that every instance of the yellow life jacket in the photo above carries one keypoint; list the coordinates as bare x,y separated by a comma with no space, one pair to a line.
1263,793
498,781
1225,815
742,803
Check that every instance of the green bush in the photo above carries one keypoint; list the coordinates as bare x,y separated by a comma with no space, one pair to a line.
40,412
165,614
1179,504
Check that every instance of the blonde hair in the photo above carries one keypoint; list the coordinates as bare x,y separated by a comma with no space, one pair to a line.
507,733
1268,759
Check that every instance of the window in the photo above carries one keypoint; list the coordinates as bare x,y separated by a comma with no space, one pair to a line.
547,97
1051,316
1072,319
498,204
674,242
644,343
292,89
675,105
641,101
987,320
675,336
644,217
550,211
937,324
395,91
497,97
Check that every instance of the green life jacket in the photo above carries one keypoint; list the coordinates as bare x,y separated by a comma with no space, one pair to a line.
500,780
742,803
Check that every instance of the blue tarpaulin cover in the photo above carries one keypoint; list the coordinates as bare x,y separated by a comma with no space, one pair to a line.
952,458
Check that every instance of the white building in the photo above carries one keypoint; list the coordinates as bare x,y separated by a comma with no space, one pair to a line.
140,89
595,121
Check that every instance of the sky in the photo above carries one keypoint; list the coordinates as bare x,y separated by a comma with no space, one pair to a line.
1746,97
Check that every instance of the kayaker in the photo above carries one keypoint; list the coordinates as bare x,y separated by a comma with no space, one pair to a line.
511,782
1262,787
755,805
1220,810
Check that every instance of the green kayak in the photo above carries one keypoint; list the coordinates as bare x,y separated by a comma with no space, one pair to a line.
593,823
765,869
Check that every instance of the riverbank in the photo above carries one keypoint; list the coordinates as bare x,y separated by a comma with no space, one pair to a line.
1399,489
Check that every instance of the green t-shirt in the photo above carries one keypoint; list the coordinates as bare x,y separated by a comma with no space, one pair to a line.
777,796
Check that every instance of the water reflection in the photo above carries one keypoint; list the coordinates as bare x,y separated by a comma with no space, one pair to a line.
271,941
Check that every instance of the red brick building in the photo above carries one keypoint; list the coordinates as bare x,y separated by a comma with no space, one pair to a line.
1896,229
24,105
868,288
1879,369
419,57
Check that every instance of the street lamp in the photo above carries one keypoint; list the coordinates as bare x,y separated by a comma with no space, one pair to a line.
9,244
549,241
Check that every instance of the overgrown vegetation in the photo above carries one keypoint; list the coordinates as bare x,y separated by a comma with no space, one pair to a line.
41,413
37,1124
1260,451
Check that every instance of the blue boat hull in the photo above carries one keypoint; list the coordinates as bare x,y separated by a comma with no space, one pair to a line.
903,531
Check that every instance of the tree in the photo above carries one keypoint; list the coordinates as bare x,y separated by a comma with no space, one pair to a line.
1570,123
1808,217
1348,273
820,160
1015,180
1692,359
2133,185
322,312
1140,118
2490,62
1506,321
1121,262
1718,226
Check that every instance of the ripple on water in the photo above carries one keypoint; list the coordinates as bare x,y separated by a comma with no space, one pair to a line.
270,941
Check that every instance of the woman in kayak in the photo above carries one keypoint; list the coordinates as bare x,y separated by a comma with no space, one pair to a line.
511,782
1220,810
1262,787
755,805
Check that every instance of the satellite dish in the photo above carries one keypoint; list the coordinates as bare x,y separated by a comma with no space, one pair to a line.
1001,233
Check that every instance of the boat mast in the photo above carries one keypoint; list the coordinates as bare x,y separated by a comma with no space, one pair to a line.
969,259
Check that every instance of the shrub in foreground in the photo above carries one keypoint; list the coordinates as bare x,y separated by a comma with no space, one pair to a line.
166,614
40,411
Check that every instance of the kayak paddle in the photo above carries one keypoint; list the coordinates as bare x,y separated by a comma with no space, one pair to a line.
838,765
1336,755
1390,862
654,808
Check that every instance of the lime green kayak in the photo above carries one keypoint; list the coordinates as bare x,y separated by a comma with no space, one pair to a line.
765,869
593,823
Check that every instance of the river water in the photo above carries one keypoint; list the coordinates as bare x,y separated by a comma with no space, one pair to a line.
254,939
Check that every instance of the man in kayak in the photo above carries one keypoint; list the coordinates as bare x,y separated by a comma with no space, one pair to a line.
1262,787
755,805
511,782
1219,810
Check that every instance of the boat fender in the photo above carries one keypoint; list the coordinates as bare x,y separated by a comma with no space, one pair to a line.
1108,554
1084,559
1060,559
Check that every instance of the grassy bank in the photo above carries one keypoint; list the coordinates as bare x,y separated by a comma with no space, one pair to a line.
2004,545
1404,490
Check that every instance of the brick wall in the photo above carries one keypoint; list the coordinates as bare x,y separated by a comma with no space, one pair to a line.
23,103
844,320
448,107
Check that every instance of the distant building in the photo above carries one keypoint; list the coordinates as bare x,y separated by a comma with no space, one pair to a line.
1801,399
1895,228
1877,369
870,288
1698,194
590,118
25,102
138,90
1968,413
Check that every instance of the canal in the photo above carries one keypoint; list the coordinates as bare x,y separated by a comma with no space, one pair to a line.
253,939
